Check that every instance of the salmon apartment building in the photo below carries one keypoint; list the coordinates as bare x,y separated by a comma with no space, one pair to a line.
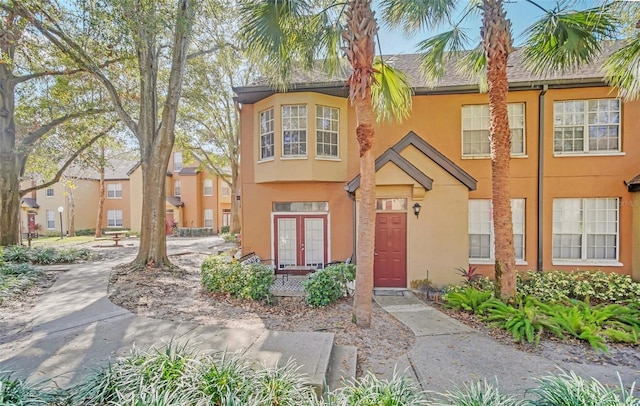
574,173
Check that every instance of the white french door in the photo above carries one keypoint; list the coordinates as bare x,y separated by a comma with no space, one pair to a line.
300,240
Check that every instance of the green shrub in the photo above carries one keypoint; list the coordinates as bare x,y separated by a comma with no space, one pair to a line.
254,281
327,285
86,231
228,237
225,229
479,394
44,255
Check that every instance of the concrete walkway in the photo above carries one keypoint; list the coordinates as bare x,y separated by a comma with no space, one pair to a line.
76,330
447,353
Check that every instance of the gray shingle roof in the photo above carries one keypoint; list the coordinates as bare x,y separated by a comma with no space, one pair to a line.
518,76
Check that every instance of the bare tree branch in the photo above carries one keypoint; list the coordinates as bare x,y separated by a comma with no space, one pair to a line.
34,136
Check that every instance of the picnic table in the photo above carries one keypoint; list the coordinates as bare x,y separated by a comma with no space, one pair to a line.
116,236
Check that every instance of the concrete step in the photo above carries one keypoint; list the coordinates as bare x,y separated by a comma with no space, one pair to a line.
311,352
342,366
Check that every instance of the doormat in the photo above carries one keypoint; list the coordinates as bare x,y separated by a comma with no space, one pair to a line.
388,292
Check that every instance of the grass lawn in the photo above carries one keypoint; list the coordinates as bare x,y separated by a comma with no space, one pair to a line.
57,242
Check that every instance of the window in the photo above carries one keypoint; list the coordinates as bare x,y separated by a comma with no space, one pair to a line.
598,120
326,132
226,217
51,219
208,187
49,192
114,190
266,134
225,190
481,237
475,129
208,218
294,130
585,229
176,187
114,218
177,161
391,204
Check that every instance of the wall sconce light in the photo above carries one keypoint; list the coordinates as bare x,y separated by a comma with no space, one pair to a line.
416,209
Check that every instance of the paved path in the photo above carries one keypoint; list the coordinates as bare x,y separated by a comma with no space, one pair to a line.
448,353
76,330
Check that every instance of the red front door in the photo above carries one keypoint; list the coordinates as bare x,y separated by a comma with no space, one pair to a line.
31,219
168,223
390,260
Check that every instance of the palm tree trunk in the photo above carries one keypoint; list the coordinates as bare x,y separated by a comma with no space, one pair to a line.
496,40
359,36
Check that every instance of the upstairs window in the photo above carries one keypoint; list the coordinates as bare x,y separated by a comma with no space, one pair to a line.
266,134
114,190
49,192
208,187
294,131
177,161
176,188
326,132
475,130
586,126
225,190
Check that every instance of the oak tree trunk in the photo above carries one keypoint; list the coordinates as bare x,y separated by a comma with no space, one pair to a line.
9,162
496,40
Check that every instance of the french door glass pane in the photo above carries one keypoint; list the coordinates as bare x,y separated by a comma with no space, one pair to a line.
314,241
287,242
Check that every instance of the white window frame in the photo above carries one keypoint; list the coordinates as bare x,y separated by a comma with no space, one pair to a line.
208,218
226,217
267,135
114,218
49,192
177,161
51,220
225,190
476,118
114,190
584,228
177,188
580,120
207,187
327,125
518,216
294,125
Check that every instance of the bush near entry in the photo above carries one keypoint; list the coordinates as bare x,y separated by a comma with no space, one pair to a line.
327,285
219,274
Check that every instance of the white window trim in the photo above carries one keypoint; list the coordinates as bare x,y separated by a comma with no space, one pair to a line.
492,241
53,219
115,190
176,167
522,154
590,262
179,183
115,218
204,187
585,151
46,193
328,157
205,219
260,134
282,131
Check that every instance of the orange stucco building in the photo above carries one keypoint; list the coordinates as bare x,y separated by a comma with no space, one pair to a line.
575,158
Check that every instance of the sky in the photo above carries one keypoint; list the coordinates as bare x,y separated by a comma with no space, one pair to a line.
521,13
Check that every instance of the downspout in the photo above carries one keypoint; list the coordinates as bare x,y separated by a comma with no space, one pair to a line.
541,107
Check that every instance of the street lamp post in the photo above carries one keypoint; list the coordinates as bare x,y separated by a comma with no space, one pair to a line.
60,210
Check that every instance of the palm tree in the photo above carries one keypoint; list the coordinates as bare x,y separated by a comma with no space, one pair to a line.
622,69
560,40
285,34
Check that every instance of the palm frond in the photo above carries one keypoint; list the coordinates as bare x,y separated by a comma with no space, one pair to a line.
437,50
391,92
413,15
622,70
330,30
473,65
566,40
281,34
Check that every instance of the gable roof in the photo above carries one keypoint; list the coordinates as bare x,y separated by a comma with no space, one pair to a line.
393,155
634,184
317,80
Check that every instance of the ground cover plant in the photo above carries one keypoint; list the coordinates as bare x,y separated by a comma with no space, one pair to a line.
16,278
177,375
44,255
595,307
